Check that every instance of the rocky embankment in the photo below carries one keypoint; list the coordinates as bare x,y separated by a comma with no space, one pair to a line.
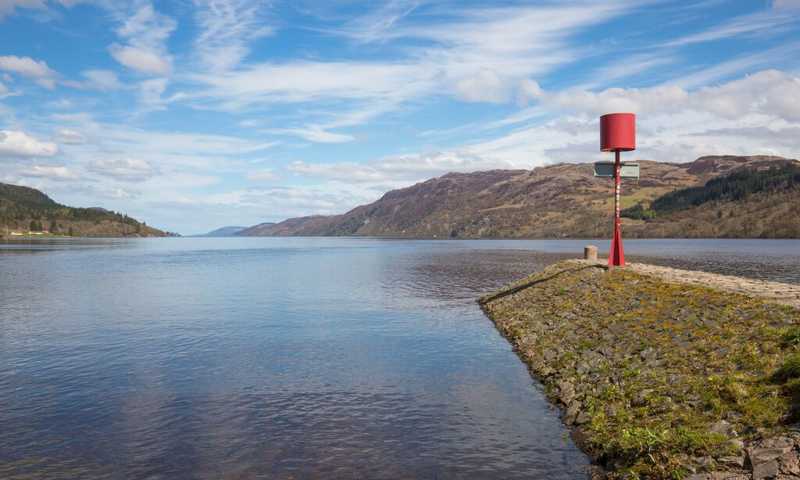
663,373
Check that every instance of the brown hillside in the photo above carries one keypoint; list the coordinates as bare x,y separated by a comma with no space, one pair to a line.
555,201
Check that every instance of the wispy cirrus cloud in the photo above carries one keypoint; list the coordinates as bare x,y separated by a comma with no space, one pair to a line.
143,34
313,134
123,169
736,66
227,29
479,54
763,23
262,175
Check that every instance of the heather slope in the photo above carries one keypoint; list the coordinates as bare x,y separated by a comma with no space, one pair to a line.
555,201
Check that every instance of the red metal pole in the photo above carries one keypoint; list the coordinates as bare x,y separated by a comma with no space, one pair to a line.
616,256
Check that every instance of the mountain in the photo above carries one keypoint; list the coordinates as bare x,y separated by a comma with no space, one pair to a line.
313,225
26,210
754,201
557,201
223,232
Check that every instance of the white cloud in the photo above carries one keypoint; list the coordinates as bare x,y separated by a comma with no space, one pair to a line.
770,92
69,137
759,23
227,29
151,91
528,90
28,67
145,33
345,171
52,172
7,6
263,175
283,201
123,169
14,143
140,59
785,4
474,54
618,99
627,67
172,152
483,86
314,134
105,80
268,83
380,23
756,114
738,65
399,170
61,104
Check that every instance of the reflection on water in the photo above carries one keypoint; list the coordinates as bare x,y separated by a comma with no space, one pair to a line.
269,358
286,358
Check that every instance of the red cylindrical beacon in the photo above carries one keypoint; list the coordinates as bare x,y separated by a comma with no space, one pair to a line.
618,132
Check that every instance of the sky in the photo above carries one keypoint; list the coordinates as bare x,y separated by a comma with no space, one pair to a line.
197,114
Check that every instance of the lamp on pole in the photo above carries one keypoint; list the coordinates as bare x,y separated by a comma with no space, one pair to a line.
617,134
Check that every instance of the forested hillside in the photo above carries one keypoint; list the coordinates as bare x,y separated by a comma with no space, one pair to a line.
25,210
759,201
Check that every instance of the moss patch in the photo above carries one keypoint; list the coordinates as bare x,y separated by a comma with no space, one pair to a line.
661,378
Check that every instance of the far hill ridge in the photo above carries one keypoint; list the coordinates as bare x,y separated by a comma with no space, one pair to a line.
563,200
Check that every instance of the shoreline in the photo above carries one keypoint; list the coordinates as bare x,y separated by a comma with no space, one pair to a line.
660,372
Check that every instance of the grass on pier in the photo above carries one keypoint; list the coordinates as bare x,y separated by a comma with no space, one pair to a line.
661,378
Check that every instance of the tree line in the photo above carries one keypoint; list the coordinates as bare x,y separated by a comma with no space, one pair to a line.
734,186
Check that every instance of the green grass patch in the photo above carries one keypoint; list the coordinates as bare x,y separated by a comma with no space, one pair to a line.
790,370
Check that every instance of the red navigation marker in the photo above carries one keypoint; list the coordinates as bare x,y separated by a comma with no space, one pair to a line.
617,134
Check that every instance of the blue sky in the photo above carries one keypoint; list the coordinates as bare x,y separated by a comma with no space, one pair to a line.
196,114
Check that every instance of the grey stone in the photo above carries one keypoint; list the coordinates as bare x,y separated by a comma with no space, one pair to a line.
790,464
566,392
640,399
722,427
572,413
705,463
762,455
582,418
729,476
732,461
766,470
778,442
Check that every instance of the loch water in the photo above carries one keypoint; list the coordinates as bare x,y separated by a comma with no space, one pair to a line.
244,358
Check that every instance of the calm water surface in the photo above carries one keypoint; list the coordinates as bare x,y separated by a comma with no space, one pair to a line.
286,358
